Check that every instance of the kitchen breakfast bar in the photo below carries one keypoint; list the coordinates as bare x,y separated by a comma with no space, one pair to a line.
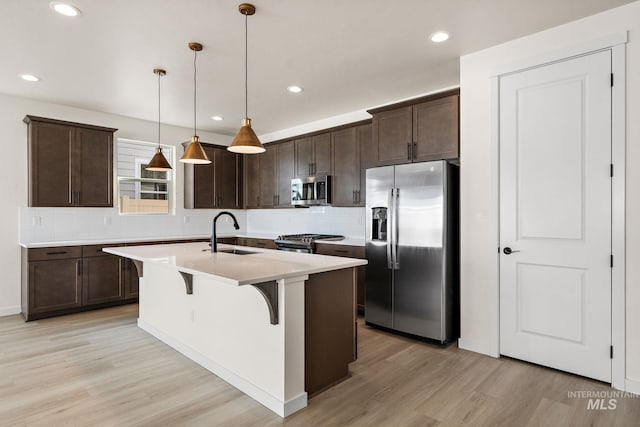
279,326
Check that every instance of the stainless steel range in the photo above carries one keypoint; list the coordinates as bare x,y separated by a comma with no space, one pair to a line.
302,242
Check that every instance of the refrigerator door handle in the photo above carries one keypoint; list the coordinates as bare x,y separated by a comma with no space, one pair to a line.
390,231
395,225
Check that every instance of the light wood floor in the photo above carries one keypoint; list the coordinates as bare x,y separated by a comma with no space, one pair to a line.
99,369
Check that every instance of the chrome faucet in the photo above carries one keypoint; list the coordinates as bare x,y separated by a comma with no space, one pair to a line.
214,243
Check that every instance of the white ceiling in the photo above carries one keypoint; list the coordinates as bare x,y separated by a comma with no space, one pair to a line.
348,55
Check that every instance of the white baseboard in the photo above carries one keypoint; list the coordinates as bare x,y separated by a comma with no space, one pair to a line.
281,408
476,347
632,386
8,311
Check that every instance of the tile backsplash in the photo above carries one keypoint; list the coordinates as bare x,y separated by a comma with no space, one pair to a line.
318,219
72,224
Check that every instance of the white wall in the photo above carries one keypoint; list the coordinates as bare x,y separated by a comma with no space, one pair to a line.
79,223
479,196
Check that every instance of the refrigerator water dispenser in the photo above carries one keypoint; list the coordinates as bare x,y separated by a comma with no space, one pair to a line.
379,224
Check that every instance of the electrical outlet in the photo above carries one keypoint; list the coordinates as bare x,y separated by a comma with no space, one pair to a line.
192,316
36,221
107,220
186,219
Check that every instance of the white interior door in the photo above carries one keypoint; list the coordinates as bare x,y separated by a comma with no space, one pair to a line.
555,215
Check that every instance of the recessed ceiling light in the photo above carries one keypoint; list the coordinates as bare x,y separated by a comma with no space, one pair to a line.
294,89
217,118
64,8
30,77
439,36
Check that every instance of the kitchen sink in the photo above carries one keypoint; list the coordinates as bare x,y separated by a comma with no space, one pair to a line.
237,251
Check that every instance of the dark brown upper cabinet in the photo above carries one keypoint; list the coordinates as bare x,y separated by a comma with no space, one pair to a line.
70,164
252,180
417,130
313,155
286,172
268,177
217,185
351,150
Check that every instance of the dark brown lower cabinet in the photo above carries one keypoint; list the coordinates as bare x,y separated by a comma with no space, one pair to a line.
330,328
102,278
349,252
54,285
131,280
68,279
256,243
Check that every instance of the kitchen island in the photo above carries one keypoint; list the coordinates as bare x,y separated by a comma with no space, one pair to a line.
276,325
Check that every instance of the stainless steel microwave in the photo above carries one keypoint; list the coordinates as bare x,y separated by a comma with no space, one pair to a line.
311,191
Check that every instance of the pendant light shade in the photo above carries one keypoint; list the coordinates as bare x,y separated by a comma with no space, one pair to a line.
246,141
195,153
158,162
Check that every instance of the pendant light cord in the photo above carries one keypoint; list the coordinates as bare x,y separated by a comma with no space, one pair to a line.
246,66
159,109
195,55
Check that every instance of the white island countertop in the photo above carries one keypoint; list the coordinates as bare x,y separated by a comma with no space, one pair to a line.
262,266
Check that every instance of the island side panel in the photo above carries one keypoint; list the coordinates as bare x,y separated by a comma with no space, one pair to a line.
226,329
330,328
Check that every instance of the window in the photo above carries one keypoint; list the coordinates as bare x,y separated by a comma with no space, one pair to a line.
141,191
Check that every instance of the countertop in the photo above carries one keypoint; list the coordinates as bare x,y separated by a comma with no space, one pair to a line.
346,241
264,265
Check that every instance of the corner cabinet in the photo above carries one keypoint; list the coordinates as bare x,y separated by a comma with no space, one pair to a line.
70,164
418,130
217,185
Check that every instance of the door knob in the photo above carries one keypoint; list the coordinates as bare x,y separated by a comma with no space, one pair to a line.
508,251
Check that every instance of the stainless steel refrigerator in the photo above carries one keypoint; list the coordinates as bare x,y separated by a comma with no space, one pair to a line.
412,247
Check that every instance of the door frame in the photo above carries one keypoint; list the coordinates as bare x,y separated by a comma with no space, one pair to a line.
617,44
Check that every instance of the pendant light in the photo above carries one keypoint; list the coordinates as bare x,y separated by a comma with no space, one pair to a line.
246,141
194,152
158,162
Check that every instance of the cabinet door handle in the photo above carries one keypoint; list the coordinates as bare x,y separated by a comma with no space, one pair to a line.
357,196
79,267
415,150
341,251
353,197
313,168
409,151
57,253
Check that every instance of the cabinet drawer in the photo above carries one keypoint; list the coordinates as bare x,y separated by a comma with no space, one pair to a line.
96,250
60,252
340,250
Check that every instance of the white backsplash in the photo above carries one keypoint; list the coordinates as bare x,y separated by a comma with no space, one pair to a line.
72,224
348,222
